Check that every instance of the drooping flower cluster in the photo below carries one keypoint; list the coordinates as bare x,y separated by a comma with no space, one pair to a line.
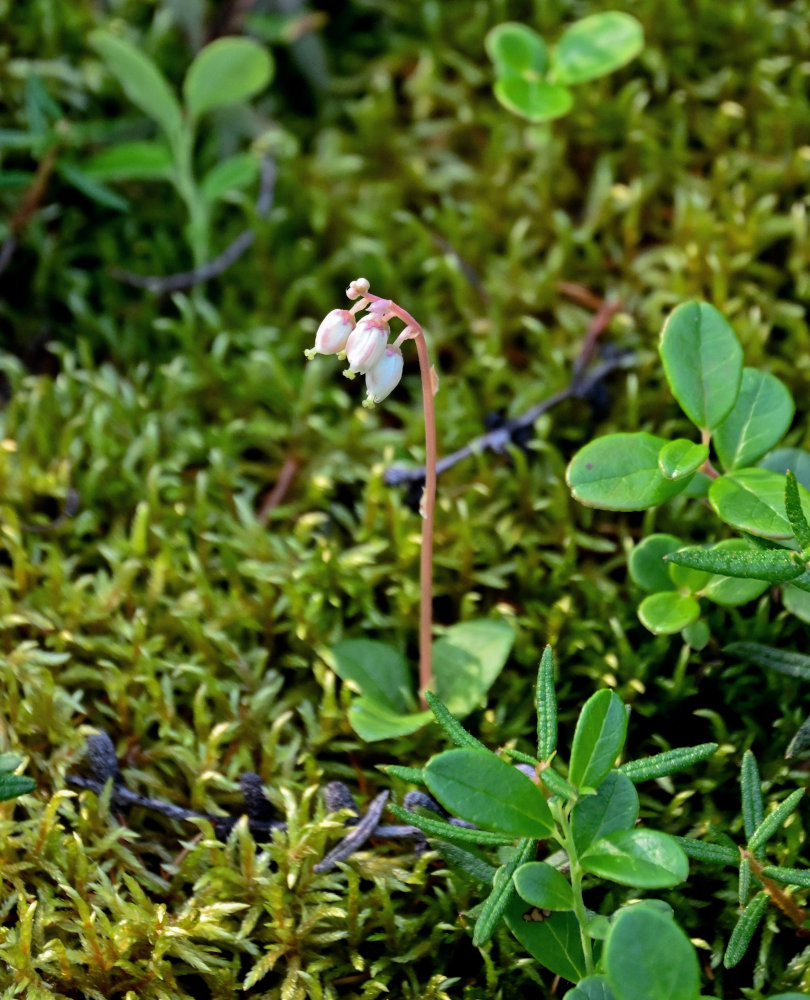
364,342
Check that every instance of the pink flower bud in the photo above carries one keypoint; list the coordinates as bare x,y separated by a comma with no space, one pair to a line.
332,333
366,345
384,376
357,288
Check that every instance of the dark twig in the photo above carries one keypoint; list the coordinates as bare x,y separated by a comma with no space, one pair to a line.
499,439
31,200
104,766
583,382
187,279
354,840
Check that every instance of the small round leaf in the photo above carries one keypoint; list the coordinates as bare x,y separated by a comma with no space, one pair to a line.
681,457
226,71
668,612
541,885
647,566
516,50
595,46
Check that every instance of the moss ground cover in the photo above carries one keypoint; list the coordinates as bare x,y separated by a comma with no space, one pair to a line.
190,516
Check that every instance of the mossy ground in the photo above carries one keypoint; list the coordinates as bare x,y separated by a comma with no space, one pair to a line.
167,611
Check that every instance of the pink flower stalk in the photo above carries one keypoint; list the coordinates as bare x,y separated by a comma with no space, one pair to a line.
368,352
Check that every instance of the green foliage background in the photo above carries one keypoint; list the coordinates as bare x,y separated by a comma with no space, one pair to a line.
165,611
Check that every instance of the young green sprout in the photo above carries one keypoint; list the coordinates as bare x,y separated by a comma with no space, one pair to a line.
364,344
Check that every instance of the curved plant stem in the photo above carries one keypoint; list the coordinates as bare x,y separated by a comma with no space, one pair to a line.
427,508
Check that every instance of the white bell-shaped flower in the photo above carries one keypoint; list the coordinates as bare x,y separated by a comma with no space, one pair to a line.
333,333
366,345
384,376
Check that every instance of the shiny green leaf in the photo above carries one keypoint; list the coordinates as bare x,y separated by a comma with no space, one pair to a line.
702,361
595,46
668,612
598,739
757,421
620,472
644,859
681,457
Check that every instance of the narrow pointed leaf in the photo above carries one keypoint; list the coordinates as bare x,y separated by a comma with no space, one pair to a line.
775,566
12,785
620,472
472,865
768,827
668,762
714,854
782,660
448,831
546,698
503,891
753,809
744,930
451,726
788,876
480,787
557,784
800,743
702,361
415,775
598,739
733,591
744,881
758,420
794,511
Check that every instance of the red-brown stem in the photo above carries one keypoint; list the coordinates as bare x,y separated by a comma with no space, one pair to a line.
428,505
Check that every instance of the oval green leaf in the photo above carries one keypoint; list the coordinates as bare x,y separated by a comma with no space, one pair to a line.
620,472
757,421
613,808
377,671
598,739
681,457
141,81
702,360
233,174
647,565
595,46
795,459
669,612
648,957
536,100
753,500
131,161
541,885
554,941
226,71
591,988
466,661
644,859
516,50
480,787
372,721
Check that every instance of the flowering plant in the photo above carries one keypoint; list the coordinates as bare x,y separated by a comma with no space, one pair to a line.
461,666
